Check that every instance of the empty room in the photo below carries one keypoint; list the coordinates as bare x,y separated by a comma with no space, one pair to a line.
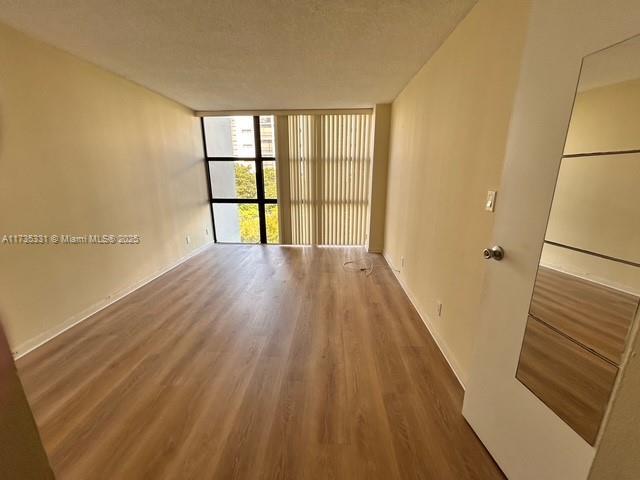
332,240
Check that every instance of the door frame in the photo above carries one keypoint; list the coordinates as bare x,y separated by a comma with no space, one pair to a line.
527,439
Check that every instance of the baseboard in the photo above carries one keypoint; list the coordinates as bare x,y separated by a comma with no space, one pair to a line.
446,351
50,334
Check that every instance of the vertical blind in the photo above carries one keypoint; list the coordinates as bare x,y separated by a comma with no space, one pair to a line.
329,162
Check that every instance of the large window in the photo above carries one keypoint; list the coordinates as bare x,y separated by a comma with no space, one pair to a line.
241,165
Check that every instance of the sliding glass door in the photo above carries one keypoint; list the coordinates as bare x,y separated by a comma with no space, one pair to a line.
241,165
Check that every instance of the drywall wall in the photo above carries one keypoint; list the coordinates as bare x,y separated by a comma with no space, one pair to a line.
605,118
83,151
378,181
448,134
595,205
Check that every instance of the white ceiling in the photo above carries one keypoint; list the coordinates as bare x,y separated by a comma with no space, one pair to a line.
249,54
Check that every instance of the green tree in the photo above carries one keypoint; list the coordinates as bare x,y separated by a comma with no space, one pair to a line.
249,218
270,182
273,232
245,180
271,211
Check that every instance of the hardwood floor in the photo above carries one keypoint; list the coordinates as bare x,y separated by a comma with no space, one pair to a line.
572,381
594,315
255,362
573,344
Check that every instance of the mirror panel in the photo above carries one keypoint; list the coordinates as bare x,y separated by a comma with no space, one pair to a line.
570,380
587,289
595,207
605,112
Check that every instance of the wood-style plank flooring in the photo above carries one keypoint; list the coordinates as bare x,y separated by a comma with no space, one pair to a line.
572,381
255,362
596,316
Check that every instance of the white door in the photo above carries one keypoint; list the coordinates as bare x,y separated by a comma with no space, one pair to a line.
527,439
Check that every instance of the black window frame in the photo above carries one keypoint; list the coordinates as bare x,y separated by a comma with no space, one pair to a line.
261,200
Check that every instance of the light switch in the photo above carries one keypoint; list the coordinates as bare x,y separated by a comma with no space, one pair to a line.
490,206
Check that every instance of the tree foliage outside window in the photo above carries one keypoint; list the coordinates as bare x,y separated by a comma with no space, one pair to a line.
249,219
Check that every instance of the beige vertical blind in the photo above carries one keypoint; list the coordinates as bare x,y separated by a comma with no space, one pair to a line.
329,162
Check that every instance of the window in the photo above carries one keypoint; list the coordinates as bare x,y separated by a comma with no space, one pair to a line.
242,170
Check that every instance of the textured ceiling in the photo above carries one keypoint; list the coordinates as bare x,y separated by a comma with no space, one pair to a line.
246,54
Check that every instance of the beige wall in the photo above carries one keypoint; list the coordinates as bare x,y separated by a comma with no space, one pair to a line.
378,181
85,151
595,204
605,118
448,135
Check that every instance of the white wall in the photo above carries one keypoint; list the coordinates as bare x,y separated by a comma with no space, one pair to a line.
83,151
448,134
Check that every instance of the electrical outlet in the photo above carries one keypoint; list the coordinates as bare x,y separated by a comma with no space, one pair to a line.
438,308
206,231
188,239
401,262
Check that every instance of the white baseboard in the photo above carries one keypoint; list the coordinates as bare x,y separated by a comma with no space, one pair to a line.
446,351
41,339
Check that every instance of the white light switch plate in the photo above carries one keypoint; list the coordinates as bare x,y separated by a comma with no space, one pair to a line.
490,205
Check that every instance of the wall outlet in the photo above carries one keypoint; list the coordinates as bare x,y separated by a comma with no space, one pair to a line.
438,308
206,231
188,239
402,262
